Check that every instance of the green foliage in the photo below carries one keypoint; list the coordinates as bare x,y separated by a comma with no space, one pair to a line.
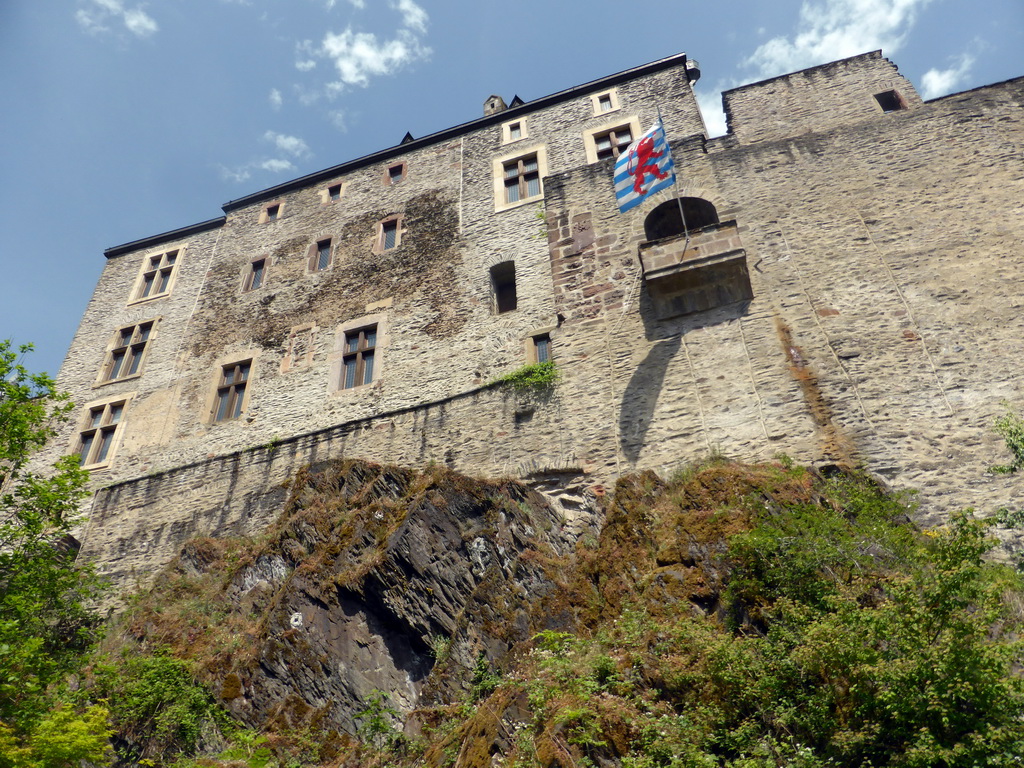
1010,427
376,722
484,681
62,738
157,705
536,376
45,626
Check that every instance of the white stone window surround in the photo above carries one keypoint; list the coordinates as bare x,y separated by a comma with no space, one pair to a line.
337,355
159,269
604,102
498,174
590,134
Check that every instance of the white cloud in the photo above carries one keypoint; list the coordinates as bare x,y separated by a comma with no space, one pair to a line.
275,99
359,56
939,82
276,165
337,118
290,145
413,17
833,29
96,16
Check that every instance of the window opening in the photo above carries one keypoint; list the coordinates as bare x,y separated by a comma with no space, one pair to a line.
97,438
503,286
890,101
334,192
604,102
389,234
231,390
542,348
323,255
664,220
396,173
156,279
126,357
522,179
255,277
515,131
273,211
357,359
613,143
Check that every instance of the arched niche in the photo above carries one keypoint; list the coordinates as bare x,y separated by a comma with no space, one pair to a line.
665,221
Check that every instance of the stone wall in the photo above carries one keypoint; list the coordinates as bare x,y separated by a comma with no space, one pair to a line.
884,328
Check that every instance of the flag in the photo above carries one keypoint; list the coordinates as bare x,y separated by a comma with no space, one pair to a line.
645,167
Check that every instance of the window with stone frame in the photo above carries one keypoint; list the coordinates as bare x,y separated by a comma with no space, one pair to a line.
395,174
334,192
613,143
96,440
320,256
157,273
522,178
390,234
125,359
357,366
231,389
542,348
256,275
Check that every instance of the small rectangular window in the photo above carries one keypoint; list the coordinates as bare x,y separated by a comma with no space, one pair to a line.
396,173
604,102
255,277
323,255
273,211
231,391
97,439
515,131
334,192
542,348
503,286
389,235
126,356
890,101
357,358
522,179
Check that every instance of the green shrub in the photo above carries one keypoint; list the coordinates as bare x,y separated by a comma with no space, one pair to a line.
533,376
1010,427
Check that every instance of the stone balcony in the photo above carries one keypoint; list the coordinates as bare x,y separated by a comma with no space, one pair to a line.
687,275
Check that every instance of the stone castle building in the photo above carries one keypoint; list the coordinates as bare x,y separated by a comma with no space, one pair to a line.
847,290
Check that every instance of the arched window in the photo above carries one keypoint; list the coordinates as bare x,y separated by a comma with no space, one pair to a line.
664,221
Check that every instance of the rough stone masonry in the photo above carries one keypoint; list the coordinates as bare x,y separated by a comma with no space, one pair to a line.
846,289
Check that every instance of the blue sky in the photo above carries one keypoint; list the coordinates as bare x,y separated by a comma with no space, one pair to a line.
127,118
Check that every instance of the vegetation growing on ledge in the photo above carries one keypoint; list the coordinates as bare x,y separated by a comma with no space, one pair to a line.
533,376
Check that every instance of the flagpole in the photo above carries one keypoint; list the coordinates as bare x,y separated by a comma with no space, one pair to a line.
682,216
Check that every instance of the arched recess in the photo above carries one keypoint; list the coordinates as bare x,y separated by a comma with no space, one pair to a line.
665,221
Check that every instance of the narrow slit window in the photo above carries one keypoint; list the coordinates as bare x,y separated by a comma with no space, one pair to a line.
255,277
389,235
358,357
542,348
323,255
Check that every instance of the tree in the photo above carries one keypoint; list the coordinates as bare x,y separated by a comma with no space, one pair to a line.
45,622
